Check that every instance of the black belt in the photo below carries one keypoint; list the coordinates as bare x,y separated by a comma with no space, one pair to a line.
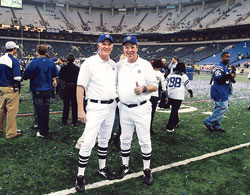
135,105
101,101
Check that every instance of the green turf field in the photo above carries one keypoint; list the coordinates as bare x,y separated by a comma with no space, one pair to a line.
31,165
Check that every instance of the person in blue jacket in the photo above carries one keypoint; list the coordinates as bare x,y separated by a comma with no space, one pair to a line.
9,83
40,72
219,93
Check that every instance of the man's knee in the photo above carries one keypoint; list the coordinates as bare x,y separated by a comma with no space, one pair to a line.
125,144
146,148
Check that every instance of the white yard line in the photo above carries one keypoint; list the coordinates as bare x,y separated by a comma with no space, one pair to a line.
157,169
183,109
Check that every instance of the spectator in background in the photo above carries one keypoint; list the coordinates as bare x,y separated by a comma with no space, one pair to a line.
173,64
9,97
68,79
41,72
61,62
219,93
162,96
161,83
54,81
58,84
177,82
164,68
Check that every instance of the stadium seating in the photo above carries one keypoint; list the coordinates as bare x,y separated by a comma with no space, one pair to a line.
28,15
189,54
238,49
5,15
216,14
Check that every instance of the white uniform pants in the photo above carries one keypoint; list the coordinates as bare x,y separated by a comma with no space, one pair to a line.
140,118
99,119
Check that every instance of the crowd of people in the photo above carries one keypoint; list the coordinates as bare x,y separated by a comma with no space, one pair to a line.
101,93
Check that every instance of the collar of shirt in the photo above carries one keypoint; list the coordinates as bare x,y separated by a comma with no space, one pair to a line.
100,60
224,67
42,56
69,64
8,54
136,63
221,64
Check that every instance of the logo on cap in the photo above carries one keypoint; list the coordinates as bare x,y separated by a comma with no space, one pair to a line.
104,37
130,39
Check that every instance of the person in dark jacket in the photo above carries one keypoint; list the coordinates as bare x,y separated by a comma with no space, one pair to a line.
220,90
40,72
68,78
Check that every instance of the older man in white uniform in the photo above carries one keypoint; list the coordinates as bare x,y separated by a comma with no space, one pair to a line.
97,77
136,81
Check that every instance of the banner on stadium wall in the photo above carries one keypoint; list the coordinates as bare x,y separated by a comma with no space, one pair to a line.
132,34
171,7
53,30
59,5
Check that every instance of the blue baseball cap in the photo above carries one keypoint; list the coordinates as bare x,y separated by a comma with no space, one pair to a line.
130,39
103,37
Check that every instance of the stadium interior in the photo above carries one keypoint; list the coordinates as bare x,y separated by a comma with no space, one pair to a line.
194,160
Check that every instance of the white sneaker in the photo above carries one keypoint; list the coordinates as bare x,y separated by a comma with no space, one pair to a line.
39,135
170,130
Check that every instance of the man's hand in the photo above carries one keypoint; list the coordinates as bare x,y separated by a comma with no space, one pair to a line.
138,89
54,83
166,100
82,116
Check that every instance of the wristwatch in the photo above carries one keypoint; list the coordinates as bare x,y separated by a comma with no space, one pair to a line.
145,89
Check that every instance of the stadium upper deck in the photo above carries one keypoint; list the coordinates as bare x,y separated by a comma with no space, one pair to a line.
95,16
